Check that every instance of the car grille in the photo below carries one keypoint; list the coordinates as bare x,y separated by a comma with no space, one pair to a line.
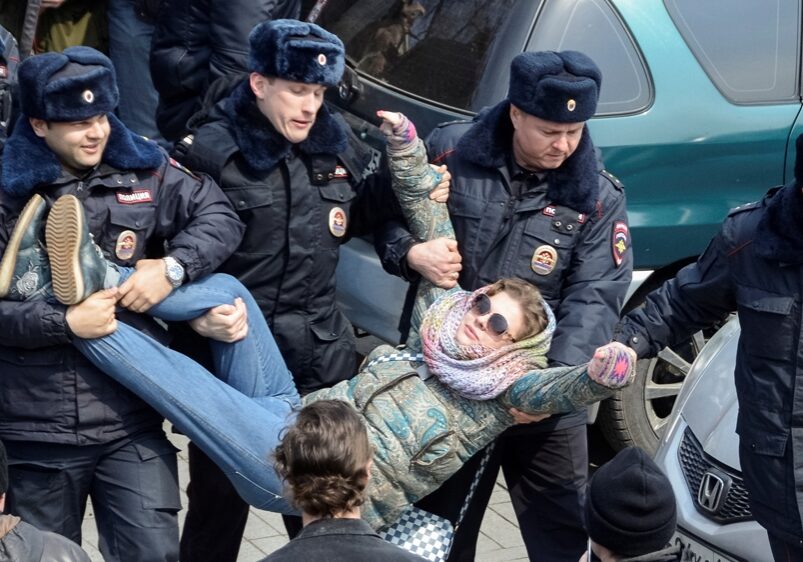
695,463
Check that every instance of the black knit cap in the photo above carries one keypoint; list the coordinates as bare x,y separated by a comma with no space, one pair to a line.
630,507
556,86
3,469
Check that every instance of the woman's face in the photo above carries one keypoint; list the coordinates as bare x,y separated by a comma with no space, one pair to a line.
478,326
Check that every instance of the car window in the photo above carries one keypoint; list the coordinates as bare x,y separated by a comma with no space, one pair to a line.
748,49
594,28
437,49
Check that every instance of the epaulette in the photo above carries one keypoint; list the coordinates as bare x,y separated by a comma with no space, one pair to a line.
454,122
744,207
176,164
613,179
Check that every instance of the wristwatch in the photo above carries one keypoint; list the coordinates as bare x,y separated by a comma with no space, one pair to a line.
174,271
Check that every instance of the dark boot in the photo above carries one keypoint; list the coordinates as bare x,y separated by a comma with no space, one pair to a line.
77,264
24,268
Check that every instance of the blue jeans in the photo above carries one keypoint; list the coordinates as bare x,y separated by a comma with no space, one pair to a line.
235,416
129,50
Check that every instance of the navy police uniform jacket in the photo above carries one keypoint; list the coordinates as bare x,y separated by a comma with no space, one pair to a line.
299,203
754,266
138,205
565,231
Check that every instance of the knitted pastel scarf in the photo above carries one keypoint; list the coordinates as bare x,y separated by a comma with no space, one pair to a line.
476,371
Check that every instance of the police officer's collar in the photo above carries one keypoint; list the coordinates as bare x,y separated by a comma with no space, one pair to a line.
263,146
28,162
520,173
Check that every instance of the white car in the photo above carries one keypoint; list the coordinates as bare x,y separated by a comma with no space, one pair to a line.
700,454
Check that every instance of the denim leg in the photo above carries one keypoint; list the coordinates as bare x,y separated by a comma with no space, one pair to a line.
237,432
129,49
241,363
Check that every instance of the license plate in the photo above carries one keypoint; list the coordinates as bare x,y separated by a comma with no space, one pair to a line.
693,551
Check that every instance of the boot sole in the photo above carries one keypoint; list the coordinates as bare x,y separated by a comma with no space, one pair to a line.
63,234
9,261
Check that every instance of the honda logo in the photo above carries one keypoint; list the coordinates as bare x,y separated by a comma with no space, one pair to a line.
713,490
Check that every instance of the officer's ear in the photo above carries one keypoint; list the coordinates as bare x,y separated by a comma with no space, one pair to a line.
39,126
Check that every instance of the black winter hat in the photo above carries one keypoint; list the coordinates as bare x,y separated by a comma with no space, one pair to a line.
3,469
630,507
555,86
70,86
296,51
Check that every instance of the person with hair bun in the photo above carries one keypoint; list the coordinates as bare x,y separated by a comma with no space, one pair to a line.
325,462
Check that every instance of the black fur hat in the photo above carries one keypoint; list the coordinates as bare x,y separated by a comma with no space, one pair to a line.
556,86
296,51
70,86
630,507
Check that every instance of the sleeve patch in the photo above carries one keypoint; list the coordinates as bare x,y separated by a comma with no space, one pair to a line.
620,242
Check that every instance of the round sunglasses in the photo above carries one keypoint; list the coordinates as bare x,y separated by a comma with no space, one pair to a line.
496,322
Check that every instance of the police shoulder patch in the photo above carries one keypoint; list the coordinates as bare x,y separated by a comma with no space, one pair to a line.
613,179
620,242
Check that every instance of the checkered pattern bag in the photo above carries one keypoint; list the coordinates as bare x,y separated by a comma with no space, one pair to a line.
426,534
422,533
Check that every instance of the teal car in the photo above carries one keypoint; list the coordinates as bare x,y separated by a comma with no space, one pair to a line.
700,105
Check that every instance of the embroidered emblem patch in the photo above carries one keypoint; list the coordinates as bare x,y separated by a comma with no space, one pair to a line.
544,260
126,245
581,218
337,222
619,242
88,96
550,211
571,105
134,197
340,173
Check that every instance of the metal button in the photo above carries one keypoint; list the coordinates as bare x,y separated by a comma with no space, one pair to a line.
569,226
241,203
558,224
132,180
557,242
634,339
136,223
318,177
342,197
119,180
331,175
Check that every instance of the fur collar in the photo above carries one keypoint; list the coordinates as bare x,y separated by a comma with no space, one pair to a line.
28,162
263,147
779,233
488,142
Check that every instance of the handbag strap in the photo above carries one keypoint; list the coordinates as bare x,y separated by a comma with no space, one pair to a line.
486,456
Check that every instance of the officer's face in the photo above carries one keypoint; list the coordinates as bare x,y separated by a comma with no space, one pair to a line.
79,145
478,327
540,144
291,107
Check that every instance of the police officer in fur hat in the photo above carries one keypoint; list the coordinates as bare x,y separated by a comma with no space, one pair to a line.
71,431
297,177
530,199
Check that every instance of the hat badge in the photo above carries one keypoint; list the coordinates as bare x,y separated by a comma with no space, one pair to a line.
322,59
571,105
88,96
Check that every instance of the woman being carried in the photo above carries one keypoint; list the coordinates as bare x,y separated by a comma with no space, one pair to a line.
427,409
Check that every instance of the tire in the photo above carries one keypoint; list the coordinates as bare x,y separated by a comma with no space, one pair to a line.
638,414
